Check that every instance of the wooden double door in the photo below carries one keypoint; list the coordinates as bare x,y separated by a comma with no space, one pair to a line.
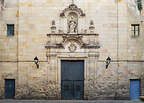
72,80
9,88
134,89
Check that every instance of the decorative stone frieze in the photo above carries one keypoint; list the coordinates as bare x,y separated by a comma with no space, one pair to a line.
54,46
76,38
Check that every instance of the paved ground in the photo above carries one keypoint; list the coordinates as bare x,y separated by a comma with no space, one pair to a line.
67,101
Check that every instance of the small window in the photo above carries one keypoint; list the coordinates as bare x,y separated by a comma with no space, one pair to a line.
135,29
139,5
10,29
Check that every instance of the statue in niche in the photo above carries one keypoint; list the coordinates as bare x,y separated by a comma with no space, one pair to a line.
72,27
72,23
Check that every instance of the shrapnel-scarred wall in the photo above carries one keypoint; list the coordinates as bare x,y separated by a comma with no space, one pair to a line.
32,18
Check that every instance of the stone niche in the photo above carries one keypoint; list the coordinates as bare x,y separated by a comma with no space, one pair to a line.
72,45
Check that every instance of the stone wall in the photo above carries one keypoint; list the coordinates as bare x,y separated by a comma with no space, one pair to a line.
32,19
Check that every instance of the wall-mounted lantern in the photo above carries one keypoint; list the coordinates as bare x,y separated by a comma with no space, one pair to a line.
108,60
36,60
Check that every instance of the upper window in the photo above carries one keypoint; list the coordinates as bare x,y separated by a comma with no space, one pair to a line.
10,29
139,5
135,29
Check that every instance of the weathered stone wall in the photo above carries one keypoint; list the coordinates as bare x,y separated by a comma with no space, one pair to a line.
32,19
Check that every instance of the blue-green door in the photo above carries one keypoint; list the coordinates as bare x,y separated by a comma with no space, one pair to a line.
134,89
72,79
9,88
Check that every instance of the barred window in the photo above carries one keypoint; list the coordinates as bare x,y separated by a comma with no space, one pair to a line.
10,29
135,29
139,5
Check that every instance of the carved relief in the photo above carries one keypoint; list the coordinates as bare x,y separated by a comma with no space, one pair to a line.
72,27
133,9
72,40
76,38
72,22
72,47
72,13
72,8
91,27
53,27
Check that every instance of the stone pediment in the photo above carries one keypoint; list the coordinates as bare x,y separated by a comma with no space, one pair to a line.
72,40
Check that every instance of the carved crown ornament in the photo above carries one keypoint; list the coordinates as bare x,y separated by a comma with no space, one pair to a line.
72,8
72,14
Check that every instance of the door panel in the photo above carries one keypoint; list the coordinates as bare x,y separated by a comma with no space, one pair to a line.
72,70
67,89
9,88
78,89
72,79
134,89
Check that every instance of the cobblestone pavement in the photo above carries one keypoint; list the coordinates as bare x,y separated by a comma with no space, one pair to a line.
70,101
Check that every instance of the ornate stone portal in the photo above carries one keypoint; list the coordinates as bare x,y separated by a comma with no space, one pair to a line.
72,44
73,14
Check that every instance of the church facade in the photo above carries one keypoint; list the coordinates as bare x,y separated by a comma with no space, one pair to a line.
63,49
